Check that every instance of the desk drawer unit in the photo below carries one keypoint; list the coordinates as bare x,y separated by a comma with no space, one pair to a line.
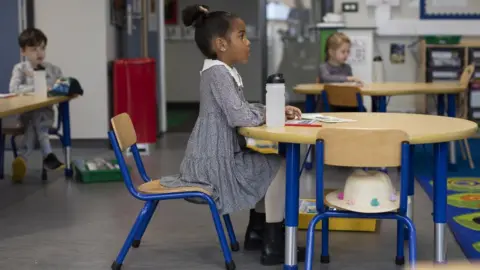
445,58
442,75
474,56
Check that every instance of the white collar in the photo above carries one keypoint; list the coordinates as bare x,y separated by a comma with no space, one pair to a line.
208,63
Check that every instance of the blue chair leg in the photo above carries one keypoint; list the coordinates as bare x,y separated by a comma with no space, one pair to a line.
234,245
400,258
138,236
14,146
117,264
325,257
229,263
311,242
412,243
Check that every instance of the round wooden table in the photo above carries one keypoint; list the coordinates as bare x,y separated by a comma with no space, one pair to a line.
421,129
380,91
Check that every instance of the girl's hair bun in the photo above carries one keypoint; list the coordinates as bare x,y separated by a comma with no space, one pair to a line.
194,15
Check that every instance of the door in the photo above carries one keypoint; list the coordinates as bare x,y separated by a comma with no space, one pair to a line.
10,26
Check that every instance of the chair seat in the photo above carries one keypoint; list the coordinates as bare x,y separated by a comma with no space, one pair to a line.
155,187
17,130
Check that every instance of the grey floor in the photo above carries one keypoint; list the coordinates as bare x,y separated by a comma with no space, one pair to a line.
66,225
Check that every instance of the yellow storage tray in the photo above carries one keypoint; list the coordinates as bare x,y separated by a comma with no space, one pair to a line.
308,211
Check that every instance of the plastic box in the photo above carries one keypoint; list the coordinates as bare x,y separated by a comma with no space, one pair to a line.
335,224
84,175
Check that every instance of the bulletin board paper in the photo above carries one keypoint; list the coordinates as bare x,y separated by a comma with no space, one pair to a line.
358,50
450,9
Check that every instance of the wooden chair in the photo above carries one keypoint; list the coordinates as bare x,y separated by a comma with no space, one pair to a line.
18,130
342,95
151,191
362,148
462,112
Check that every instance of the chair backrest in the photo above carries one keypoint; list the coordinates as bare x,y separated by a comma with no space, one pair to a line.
122,137
465,79
124,131
362,147
467,75
342,95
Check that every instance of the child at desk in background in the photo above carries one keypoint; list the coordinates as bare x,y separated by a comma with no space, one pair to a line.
36,123
238,178
335,69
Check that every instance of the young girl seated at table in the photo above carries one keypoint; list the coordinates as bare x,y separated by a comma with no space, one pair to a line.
237,178
335,69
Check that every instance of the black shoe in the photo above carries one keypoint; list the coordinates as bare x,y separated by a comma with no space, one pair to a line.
273,250
51,162
255,229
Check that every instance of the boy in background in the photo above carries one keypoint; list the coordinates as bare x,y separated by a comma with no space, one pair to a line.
36,123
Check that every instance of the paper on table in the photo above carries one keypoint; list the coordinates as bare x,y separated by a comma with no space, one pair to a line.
325,119
7,95
304,122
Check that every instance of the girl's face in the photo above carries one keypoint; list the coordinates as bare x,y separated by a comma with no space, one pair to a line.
237,48
341,54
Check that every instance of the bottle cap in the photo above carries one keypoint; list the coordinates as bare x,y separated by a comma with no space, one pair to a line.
276,78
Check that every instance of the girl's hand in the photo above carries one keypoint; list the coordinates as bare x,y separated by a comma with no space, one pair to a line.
355,80
292,113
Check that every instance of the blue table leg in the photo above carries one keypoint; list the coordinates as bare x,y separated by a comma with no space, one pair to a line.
441,104
374,104
64,109
310,104
382,103
451,112
2,151
440,200
291,205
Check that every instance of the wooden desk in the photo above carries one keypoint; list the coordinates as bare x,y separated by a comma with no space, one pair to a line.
391,88
24,103
421,129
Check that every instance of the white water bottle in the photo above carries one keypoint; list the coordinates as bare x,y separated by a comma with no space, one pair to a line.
40,83
275,100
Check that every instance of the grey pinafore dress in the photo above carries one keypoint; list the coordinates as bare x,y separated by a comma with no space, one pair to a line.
213,160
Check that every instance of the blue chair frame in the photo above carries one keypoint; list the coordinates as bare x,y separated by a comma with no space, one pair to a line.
324,213
151,202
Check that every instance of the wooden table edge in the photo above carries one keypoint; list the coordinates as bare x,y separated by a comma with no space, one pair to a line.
311,138
50,101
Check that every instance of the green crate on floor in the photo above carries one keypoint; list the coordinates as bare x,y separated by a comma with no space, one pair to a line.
84,175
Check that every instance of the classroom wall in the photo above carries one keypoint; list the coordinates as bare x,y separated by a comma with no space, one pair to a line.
406,72
81,41
405,27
